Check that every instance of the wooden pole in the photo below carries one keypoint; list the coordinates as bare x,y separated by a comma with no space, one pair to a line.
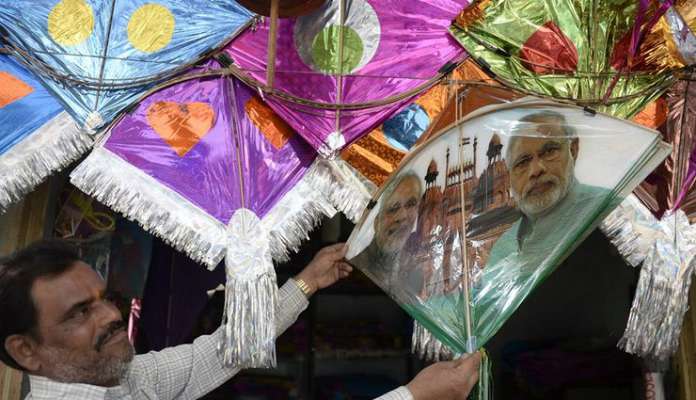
272,41
685,359
22,224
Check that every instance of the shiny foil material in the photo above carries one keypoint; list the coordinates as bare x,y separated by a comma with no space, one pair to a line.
378,154
662,294
633,229
84,50
37,137
193,165
197,156
386,50
479,215
573,50
671,186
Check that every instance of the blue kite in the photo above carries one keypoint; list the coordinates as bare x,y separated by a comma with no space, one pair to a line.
100,56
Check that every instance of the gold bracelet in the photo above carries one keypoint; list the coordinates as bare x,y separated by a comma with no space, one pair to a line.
304,287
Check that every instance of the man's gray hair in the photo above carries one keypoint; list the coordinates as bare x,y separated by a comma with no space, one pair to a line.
389,190
540,118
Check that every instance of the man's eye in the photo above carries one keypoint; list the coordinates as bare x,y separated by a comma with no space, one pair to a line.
522,163
411,203
394,208
81,312
551,152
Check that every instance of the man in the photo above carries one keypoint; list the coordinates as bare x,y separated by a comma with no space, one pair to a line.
556,209
393,225
58,325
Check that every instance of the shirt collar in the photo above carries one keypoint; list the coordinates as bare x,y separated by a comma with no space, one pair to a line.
45,388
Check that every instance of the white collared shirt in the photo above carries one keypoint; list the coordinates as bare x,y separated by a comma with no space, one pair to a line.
183,372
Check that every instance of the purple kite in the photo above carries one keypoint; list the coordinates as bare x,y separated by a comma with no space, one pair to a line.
208,166
389,51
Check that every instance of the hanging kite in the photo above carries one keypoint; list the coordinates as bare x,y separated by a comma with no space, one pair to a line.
653,229
346,67
377,154
205,164
481,214
37,137
98,56
589,53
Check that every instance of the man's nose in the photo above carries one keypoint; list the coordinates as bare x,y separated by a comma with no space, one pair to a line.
537,168
108,312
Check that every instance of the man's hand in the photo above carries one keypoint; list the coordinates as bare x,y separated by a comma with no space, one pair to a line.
447,380
326,268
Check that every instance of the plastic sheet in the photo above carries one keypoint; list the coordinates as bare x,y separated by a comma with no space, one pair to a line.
521,184
366,55
84,50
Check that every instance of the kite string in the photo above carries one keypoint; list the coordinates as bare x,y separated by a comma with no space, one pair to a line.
104,54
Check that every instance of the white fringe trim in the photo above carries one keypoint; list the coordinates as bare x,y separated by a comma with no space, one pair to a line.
347,190
632,228
427,346
158,209
297,214
162,211
50,148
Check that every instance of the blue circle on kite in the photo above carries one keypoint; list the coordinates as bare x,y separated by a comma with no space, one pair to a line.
403,129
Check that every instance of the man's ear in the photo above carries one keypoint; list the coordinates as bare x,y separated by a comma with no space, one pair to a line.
22,349
574,147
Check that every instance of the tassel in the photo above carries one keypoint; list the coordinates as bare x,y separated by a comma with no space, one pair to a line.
427,346
251,295
632,228
661,298
484,388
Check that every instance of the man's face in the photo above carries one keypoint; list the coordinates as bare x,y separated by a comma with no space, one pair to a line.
82,335
541,171
397,216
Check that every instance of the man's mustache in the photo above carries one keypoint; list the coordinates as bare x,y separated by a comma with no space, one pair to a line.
110,331
543,180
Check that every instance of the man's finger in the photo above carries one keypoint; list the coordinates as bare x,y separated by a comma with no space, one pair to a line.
459,361
344,266
472,362
334,252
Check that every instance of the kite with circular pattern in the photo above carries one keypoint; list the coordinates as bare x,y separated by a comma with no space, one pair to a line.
205,164
98,55
349,65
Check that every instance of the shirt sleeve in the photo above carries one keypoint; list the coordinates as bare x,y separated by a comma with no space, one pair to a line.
192,370
401,393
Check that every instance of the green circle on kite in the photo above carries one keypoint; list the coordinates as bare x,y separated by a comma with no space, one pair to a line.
325,50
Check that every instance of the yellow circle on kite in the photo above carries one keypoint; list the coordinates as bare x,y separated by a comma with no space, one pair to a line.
70,22
151,27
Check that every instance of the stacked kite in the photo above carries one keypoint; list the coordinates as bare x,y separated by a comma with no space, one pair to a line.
225,143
